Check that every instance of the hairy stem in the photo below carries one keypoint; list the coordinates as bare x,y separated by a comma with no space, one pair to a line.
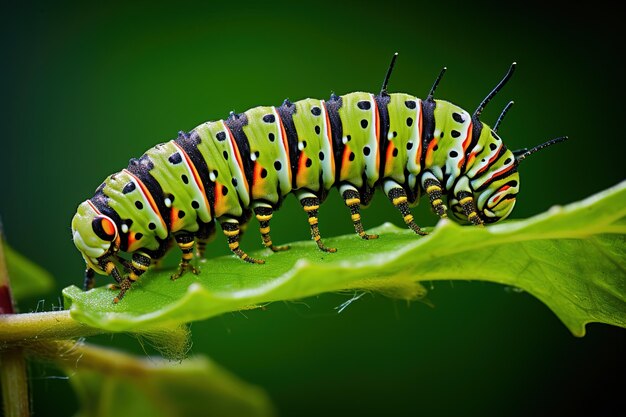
24,328
70,354
14,384
12,363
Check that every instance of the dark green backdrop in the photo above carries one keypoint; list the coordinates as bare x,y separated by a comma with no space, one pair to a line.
85,88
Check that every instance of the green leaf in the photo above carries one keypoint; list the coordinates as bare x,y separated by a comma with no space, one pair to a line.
157,388
572,258
27,278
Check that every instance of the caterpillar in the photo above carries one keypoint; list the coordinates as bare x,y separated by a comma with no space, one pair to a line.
226,170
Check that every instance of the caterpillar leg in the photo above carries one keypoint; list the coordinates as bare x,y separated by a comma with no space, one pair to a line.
139,264
108,266
123,261
398,198
201,247
89,279
264,213
205,235
185,243
352,199
311,204
157,264
466,200
231,230
434,190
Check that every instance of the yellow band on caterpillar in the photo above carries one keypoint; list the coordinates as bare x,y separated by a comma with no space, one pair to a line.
465,200
139,266
408,218
185,245
109,267
233,245
433,188
472,215
312,220
231,232
187,256
353,201
268,243
317,237
264,230
399,200
310,208
356,217
133,277
263,218
436,202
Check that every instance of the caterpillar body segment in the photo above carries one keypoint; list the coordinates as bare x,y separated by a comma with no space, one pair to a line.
228,170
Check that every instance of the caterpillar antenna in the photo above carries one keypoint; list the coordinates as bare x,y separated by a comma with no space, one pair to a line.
493,92
431,93
521,154
383,90
501,117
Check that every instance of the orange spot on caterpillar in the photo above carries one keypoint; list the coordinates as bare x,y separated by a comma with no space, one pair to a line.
468,137
218,194
219,202
418,153
471,159
176,222
301,178
302,162
256,176
466,143
345,162
131,241
329,137
389,158
259,184
501,193
108,226
429,152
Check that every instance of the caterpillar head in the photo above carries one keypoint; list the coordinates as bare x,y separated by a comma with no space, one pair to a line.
496,187
95,235
494,203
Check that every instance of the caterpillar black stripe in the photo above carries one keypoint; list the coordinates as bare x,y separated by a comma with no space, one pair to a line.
225,171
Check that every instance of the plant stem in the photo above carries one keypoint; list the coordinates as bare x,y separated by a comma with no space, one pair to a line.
14,384
12,362
22,328
6,300
70,354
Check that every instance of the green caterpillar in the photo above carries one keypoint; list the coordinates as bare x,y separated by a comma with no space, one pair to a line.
228,169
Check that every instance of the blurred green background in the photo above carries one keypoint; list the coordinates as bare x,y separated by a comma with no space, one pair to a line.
87,87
